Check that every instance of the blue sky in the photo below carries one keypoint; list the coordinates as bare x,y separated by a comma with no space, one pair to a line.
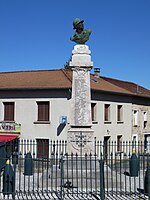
35,35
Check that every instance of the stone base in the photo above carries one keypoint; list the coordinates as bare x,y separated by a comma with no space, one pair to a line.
80,141
81,56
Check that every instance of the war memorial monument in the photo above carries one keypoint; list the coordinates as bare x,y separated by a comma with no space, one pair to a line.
80,134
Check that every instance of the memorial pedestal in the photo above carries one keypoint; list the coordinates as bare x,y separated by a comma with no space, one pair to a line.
81,141
81,135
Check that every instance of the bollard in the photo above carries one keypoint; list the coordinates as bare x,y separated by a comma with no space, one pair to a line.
28,165
146,190
102,183
8,179
134,165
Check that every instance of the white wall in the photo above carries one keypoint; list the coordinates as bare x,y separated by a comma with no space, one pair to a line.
26,115
139,130
113,128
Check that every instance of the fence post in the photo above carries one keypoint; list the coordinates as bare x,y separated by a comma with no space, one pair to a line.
61,177
147,181
102,184
15,162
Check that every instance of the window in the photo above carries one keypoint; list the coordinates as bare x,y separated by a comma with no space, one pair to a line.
147,143
8,111
134,142
119,113
43,110
107,112
93,111
42,148
119,139
135,118
144,119
106,146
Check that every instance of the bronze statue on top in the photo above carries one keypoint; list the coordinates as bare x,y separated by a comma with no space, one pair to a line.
81,36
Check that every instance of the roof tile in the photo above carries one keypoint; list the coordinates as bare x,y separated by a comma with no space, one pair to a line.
61,78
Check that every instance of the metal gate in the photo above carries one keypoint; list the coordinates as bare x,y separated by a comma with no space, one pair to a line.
118,175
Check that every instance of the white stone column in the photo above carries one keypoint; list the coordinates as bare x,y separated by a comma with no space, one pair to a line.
80,134
81,98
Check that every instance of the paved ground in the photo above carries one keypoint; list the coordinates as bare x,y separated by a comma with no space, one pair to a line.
68,195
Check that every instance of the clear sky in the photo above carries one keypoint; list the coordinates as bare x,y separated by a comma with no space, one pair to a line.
35,34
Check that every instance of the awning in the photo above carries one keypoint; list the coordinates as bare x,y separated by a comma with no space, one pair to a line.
7,138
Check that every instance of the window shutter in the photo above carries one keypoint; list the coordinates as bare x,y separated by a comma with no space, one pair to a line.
119,112
9,111
42,148
106,112
145,116
93,111
135,118
43,111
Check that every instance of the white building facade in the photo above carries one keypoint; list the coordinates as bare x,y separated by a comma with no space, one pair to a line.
42,111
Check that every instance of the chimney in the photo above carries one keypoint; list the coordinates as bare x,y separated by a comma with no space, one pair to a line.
97,72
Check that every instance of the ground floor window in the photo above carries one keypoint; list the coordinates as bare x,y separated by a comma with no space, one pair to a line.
106,146
42,148
119,142
147,143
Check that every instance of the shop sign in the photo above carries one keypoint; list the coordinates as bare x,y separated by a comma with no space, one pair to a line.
10,127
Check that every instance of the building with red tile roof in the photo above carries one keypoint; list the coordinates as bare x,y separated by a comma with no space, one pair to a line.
33,103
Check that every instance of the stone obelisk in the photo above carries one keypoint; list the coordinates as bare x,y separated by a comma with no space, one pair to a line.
80,134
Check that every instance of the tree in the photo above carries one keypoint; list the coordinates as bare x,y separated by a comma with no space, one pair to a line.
66,65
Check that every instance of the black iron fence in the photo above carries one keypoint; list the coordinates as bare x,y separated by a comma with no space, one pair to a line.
111,171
